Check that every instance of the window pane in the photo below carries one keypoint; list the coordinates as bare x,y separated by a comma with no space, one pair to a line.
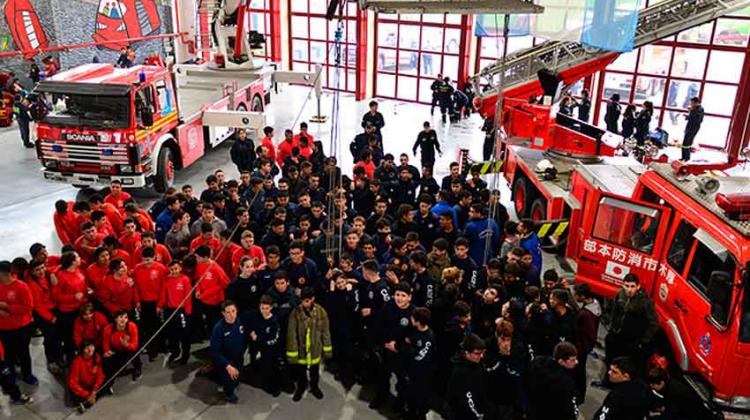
625,62
387,34
452,39
699,34
704,269
742,12
408,37
629,228
386,85
491,47
387,16
649,89
408,62
432,39
714,132
719,99
386,59
318,28
725,66
317,52
425,94
299,50
617,83
654,59
450,67
731,32
351,80
299,26
453,19
674,124
410,17
317,6
299,6
407,88
689,62
433,18
430,64
519,43
680,248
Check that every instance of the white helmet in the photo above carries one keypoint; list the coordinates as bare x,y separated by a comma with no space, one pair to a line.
543,165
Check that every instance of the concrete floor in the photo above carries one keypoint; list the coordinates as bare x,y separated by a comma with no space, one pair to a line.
26,206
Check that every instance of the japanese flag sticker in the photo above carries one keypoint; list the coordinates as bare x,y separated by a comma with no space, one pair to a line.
616,270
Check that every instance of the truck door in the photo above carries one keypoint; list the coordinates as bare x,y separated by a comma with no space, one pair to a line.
620,236
697,266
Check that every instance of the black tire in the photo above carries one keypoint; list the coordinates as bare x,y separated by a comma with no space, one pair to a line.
164,177
538,210
257,104
520,196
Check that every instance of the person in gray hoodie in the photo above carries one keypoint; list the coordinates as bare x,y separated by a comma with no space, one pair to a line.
587,326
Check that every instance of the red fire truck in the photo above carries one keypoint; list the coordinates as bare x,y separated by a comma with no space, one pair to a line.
684,230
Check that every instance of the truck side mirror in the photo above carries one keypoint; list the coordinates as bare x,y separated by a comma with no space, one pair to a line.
147,118
719,293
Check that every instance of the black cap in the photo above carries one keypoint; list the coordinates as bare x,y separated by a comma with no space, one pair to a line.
5,267
307,293
35,249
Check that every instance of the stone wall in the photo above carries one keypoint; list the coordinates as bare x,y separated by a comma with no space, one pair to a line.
67,22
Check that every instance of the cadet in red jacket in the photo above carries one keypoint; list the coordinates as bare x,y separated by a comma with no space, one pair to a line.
141,216
175,289
85,377
117,197
207,238
118,289
211,281
68,293
87,243
130,240
248,248
39,252
224,257
148,239
67,223
97,271
44,319
89,326
102,224
149,278
16,317
8,381
114,247
120,342
113,215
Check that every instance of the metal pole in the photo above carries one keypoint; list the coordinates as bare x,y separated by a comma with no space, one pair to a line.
89,44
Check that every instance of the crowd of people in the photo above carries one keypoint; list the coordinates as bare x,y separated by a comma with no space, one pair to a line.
389,273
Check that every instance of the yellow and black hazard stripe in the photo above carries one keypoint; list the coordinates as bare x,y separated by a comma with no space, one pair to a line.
487,167
158,125
552,227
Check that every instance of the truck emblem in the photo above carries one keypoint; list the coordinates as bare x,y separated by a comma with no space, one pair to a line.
616,270
705,344
80,137
663,292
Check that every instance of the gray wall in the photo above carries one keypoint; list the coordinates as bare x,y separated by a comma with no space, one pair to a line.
69,22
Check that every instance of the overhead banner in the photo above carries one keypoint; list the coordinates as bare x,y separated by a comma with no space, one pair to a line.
611,24
562,20
492,25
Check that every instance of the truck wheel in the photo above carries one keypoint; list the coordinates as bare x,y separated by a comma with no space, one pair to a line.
164,170
538,210
257,105
521,196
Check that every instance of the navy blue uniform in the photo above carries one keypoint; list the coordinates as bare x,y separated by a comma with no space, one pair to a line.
228,344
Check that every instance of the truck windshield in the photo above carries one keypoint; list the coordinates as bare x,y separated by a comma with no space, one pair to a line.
88,110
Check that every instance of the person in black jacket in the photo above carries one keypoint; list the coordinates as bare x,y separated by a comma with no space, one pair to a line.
551,387
420,364
374,295
243,152
466,397
628,121
694,121
453,333
675,400
434,88
630,398
562,325
503,371
341,305
612,116
245,290
228,344
265,332
376,119
427,142
643,121
396,328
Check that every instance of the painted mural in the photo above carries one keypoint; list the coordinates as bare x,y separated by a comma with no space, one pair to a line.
24,26
119,20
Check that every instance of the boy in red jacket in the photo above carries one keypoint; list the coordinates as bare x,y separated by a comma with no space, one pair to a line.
89,326
148,239
130,240
69,292
174,291
120,342
16,318
207,238
67,223
44,319
211,281
149,279
85,377
117,291
117,197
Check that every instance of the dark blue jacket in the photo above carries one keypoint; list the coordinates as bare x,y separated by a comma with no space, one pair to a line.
476,232
228,343
533,245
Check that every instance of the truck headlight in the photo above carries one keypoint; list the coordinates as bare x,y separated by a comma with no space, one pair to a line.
52,164
126,169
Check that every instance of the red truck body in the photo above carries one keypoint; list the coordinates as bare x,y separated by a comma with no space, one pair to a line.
97,131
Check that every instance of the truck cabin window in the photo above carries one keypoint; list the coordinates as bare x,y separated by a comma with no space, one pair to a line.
745,319
712,272
91,111
626,224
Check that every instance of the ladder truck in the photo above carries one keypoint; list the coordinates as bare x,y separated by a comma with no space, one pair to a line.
139,125
683,229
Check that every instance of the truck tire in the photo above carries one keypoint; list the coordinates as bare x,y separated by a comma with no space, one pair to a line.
538,210
521,198
257,104
164,177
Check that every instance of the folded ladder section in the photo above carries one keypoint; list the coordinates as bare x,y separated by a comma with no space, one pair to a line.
654,23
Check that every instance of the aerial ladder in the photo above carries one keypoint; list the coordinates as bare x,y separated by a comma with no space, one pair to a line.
572,61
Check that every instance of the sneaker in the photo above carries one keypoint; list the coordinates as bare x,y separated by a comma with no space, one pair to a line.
137,374
31,380
232,399
173,357
317,393
298,395
24,399
81,408
275,393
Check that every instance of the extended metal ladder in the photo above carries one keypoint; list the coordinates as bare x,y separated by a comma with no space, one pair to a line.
654,23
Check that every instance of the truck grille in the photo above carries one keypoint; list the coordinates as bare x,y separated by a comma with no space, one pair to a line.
84,153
